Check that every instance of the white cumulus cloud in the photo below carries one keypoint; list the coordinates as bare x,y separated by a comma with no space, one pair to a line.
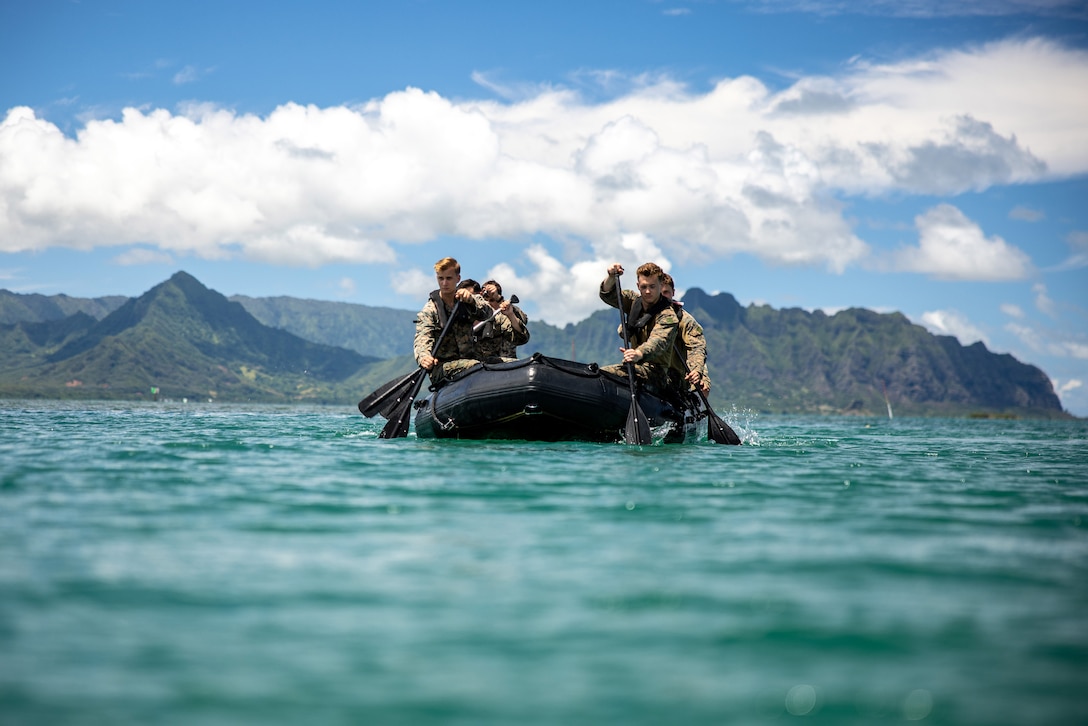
413,282
737,169
1068,386
952,247
954,323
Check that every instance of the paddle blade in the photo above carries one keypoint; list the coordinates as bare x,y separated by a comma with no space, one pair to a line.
719,431
407,392
385,397
637,430
397,426
400,417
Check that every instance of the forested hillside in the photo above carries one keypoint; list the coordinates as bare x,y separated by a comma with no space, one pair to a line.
192,341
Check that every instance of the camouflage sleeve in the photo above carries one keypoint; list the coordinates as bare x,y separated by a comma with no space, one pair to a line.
609,297
477,307
691,333
521,337
427,330
658,347
706,377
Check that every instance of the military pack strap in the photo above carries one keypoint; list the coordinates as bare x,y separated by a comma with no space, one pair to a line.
441,307
487,330
638,319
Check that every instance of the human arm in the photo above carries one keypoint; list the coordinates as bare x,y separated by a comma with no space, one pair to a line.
694,343
658,346
608,289
517,320
427,331
608,296
474,305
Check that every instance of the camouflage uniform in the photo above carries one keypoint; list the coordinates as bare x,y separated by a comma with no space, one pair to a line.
498,339
456,352
691,344
654,341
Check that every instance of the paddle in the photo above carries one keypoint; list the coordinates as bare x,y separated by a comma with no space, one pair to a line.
638,428
385,398
400,415
494,313
719,431
394,399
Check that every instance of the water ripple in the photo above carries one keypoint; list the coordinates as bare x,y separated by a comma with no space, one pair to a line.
257,564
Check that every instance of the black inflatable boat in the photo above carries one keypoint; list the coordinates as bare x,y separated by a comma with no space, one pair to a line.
545,399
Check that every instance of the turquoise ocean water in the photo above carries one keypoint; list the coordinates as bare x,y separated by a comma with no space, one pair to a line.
210,564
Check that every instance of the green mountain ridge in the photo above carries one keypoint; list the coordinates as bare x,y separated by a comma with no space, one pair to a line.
284,349
361,328
37,308
799,361
179,337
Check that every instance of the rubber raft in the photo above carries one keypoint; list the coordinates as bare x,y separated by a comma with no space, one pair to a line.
545,399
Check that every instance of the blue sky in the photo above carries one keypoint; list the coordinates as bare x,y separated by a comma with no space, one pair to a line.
925,157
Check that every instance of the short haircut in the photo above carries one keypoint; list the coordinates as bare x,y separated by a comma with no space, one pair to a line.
650,269
446,263
470,284
498,287
666,279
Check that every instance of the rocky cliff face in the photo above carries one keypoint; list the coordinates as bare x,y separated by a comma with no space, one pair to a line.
846,362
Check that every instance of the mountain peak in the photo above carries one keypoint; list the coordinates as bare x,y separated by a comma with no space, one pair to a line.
182,325
185,281
722,307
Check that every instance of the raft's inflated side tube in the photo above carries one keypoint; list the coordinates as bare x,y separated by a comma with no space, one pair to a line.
538,399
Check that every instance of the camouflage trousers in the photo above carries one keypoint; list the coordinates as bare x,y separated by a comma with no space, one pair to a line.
450,368
654,378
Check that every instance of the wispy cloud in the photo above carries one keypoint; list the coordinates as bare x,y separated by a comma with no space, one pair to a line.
922,8
346,287
1026,214
1013,311
1049,342
1078,247
519,91
190,74
151,70
1043,302
143,256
